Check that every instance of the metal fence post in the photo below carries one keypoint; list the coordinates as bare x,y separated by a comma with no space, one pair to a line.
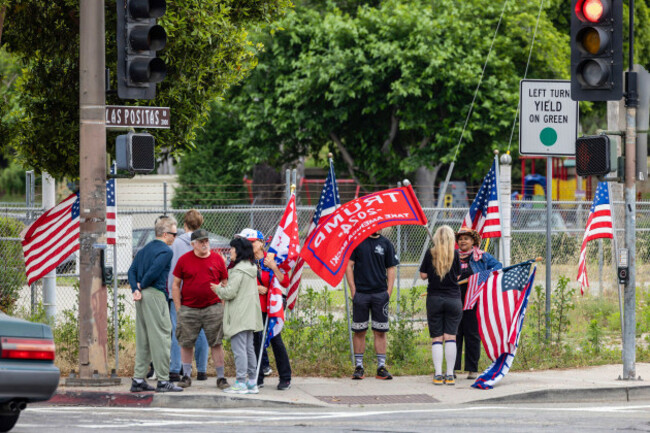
164,198
399,261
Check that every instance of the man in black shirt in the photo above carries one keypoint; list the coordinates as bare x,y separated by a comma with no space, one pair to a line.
371,274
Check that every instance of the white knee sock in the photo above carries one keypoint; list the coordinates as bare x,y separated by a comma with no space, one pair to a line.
450,356
436,354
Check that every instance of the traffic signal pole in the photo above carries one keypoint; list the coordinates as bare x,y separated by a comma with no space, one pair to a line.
631,103
93,336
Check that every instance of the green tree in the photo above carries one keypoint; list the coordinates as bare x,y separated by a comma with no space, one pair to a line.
208,50
211,174
388,88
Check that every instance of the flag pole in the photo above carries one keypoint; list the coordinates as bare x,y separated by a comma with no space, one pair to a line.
347,313
407,182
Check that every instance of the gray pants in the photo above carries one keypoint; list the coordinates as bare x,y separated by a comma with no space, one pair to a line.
244,351
153,334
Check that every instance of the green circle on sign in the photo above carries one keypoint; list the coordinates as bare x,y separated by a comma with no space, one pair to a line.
548,136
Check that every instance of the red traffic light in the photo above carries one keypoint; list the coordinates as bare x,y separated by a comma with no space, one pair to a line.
591,10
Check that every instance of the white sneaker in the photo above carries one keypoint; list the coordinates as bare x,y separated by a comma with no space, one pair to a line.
237,388
253,389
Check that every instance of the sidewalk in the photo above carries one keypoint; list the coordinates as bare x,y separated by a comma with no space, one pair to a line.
545,386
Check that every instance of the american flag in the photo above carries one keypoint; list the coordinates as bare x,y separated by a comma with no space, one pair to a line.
285,245
599,225
111,209
475,284
501,312
483,215
329,201
49,240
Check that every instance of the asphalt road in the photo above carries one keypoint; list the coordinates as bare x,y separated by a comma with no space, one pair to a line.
525,418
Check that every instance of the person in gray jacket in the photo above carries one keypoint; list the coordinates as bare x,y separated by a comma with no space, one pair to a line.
192,221
241,318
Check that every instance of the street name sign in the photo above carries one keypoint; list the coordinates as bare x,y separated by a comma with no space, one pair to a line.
548,120
119,117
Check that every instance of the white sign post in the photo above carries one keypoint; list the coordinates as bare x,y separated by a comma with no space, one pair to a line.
548,120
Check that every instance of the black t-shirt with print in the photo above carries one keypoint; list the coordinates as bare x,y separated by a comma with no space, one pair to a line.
371,259
448,287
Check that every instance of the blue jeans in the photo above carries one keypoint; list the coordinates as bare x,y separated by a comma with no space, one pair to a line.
201,349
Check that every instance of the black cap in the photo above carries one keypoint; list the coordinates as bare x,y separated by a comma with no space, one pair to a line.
199,234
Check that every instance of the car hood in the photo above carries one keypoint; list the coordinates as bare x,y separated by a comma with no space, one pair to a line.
14,327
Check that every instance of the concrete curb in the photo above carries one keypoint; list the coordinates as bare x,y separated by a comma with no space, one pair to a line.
195,401
634,393
168,400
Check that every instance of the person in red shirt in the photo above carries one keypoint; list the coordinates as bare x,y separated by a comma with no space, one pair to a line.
267,270
198,306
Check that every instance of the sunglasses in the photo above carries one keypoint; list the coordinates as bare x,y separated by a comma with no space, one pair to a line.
172,233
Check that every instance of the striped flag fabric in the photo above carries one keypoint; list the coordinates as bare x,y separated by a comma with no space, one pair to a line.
475,284
111,210
501,312
285,246
51,238
329,201
483,215
599,225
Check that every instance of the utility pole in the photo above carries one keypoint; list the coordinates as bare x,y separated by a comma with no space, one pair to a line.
631,103
93,336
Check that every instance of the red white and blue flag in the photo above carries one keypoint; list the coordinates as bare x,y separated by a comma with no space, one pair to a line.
599,225
502,308
49,240
475,284
111,209
483,215
329,201
328,248
285,246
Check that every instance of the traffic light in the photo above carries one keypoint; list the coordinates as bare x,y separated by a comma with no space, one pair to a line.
593,155
138,39
596,50
135,153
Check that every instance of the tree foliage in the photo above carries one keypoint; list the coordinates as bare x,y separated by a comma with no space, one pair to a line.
388,88
207,52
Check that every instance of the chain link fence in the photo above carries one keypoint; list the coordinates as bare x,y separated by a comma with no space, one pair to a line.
135,229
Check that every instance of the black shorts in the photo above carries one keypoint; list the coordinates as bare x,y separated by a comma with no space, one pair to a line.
444,315
362,304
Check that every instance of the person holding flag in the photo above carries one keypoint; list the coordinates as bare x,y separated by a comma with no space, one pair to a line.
472,261
268,270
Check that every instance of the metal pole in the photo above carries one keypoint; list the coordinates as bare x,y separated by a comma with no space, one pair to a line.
49,281
549,214
615,260
505,176
164,198
631,103
287,188
399,256
29,178
92,185
116,325
259,358
347,313
629,343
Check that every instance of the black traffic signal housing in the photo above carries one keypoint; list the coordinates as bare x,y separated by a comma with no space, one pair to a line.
596,50
138,40
593,155
135,153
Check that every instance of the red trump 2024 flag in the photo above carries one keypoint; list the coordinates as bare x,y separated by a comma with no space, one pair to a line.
329,247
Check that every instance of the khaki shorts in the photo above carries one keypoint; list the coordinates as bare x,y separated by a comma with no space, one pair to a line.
191,320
